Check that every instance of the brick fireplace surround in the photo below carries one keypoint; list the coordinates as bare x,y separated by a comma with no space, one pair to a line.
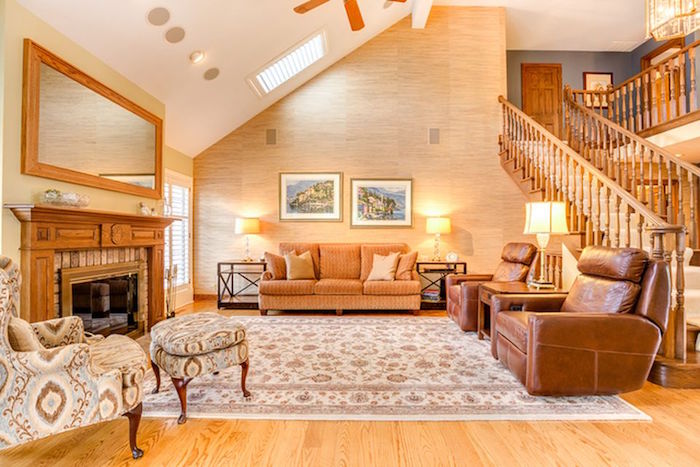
80,236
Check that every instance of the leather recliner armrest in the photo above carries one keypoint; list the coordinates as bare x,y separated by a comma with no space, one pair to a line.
521,302
456,279
589,353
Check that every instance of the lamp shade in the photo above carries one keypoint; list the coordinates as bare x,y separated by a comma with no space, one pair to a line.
438,225
247,225
548,217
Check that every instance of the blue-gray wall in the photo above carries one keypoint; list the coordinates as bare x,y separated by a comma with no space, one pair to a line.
622,64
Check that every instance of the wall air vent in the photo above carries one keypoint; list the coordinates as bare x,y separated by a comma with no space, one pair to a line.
289,64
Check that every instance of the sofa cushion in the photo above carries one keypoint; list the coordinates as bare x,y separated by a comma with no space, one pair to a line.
406,266
368,251
391,288
299,267
613,263
300,247
597,294
340,261
522,253
276,265
22,337
338,287
384,267
287,287
513,326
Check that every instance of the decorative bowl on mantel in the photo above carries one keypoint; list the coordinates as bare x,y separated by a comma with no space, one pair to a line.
68,199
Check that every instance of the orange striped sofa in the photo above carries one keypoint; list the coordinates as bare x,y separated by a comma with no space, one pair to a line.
341,281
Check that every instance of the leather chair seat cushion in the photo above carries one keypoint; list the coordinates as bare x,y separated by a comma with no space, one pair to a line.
620,263
338,287
512,325
197,334
287,287
340,261
510,272
601,295
391,287
367,253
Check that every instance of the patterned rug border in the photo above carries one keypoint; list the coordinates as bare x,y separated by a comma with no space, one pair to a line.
635,414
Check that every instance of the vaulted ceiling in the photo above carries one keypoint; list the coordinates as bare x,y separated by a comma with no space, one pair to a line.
240,36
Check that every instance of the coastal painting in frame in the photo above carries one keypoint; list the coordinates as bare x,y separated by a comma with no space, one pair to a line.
381,202
311,196
598,82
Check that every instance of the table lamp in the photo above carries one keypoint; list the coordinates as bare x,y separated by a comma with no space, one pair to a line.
437,226
247,226
544,219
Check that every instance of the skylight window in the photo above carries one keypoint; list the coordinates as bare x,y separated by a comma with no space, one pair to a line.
290,64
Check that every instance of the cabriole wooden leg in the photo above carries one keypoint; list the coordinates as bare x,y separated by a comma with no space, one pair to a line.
263,312
134,416
181,388
156,371
244,375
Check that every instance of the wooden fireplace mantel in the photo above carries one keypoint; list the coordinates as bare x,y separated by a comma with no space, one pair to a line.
48,229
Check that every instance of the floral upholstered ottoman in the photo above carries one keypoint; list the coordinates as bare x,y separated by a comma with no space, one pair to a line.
196,345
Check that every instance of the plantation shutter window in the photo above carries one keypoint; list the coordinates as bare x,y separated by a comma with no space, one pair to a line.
177,236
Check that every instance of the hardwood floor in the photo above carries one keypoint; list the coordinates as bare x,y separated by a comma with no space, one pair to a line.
673,438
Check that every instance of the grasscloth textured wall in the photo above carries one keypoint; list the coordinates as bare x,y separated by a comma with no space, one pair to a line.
368,116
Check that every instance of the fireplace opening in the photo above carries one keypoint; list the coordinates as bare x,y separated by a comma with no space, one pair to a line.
108,306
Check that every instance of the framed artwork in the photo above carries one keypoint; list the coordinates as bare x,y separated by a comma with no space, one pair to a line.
381,202
311,196
596,81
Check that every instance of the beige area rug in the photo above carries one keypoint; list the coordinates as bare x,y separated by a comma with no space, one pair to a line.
353,368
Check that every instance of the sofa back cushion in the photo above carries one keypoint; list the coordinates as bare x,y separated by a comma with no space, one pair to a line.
368,250
407,266
340,260
276,265
299,248
510,272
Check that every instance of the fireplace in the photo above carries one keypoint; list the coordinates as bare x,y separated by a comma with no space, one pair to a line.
109,298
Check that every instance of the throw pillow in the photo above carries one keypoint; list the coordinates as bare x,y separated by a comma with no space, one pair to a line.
407,263
277,266
299,267
383,267
21,336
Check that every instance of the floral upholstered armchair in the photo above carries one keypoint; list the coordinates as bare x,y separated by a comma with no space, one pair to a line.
53,378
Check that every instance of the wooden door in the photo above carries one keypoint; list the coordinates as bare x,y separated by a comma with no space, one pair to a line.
542,94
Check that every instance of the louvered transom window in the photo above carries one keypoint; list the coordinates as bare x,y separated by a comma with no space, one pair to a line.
177,236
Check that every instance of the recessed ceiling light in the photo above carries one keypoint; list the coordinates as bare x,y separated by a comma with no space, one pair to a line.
289,64
211,73
197,57
158,16
175,35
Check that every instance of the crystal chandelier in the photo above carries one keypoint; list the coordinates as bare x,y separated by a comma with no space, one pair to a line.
667,19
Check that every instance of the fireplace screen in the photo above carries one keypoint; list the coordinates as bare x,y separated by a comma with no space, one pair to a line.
108,306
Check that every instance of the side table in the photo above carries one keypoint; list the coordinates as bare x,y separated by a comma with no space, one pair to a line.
434,273
489,289
246,295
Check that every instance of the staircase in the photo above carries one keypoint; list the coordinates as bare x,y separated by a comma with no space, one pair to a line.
620,190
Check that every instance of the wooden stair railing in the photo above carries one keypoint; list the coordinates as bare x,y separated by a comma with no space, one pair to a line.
605,213
665,183
658,98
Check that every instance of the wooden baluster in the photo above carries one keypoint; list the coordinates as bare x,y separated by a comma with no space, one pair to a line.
618,157
588,208
640,230
624,108
693,85
628,233
660,185
671,73
630,123
680,347
557,272
664,98
682,98
632,153
579,200
680,219
638,111
616,218
596,214
670,218
651,204
640,191
693,216
654,97
614,108
607,216
647,102
624,154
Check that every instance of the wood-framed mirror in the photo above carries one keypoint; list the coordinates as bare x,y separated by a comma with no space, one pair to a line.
75,129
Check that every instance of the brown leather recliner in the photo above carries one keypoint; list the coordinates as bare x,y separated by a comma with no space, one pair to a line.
601,338
462,290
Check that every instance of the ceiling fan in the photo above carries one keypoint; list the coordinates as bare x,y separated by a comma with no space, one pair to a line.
351,8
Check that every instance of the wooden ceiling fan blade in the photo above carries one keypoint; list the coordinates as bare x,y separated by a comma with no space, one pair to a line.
354,15
308,6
